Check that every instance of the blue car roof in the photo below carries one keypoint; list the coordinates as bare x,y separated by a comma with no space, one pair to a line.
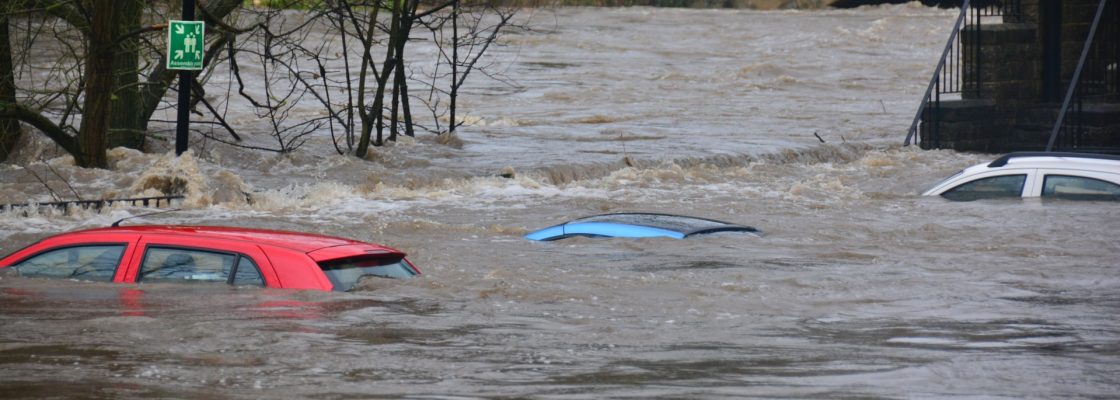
637,225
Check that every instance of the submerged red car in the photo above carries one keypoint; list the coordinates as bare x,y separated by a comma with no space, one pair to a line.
236,256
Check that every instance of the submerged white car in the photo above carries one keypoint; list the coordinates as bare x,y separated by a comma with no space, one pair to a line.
1075,176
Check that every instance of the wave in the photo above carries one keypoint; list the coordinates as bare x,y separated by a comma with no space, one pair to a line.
568,174
204,184
761,70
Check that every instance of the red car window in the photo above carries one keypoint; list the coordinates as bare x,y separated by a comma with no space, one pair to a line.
96,262
346,273
178,264
246,273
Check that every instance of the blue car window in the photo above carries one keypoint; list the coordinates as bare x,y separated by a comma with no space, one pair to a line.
637,225
988,188
92,263
676,223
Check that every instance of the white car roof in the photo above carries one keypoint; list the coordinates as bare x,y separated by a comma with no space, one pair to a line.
1086,161
1080,162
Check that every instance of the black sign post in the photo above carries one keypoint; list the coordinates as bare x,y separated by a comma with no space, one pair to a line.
183,122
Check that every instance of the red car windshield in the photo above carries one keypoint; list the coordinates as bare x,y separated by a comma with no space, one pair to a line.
346,273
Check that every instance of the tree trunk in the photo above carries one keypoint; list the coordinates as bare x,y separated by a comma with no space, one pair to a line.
379,100
93,134
397,62
126,124
454,63
382,81
402,80
9,127
365,114
406,110
393,109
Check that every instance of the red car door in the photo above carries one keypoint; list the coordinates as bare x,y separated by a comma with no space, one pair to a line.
194,258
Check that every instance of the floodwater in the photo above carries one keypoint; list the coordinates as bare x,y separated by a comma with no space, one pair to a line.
859,287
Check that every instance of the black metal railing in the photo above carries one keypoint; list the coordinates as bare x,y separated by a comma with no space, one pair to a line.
154,201
1095,81
959,71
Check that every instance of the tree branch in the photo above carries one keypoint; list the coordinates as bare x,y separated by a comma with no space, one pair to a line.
49,128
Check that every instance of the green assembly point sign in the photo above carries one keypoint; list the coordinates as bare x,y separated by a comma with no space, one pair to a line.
184,44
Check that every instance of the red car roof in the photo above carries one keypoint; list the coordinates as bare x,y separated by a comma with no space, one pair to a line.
303,242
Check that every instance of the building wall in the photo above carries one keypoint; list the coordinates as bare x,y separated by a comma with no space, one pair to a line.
1010,107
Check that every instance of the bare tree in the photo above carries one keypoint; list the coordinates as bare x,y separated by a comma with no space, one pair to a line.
463,34
59,87
100,88
371,38
101,50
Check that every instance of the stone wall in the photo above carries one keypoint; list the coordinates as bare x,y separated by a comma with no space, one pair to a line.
962,125
1010,68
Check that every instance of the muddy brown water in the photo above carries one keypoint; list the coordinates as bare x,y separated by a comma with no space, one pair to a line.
859,288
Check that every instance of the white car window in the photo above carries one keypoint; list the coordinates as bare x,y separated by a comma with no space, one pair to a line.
988,188
1079,188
